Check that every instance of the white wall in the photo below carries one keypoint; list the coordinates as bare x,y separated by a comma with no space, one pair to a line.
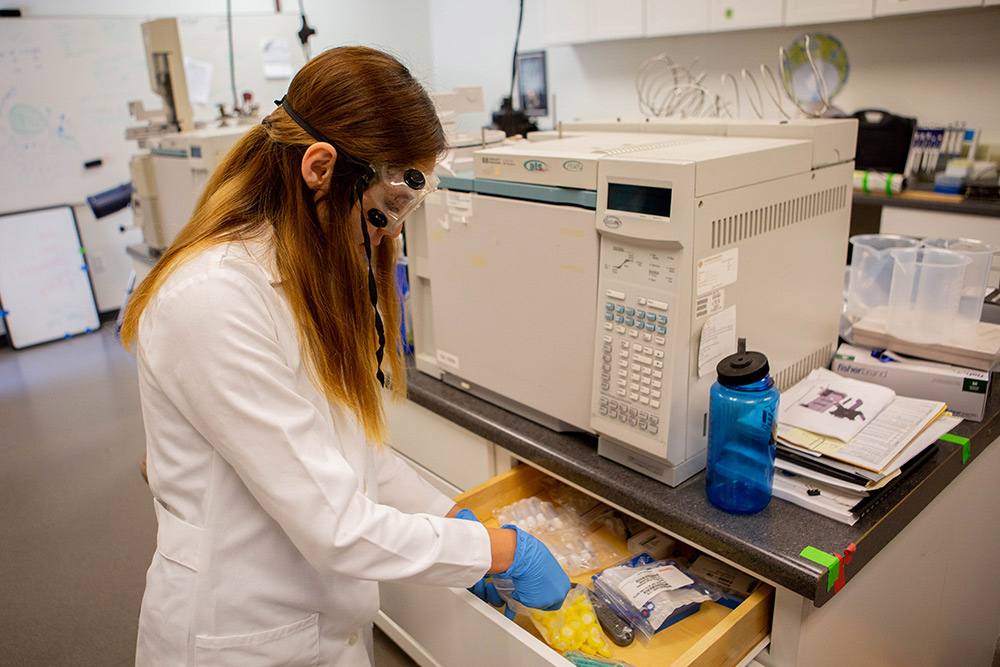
402,29
939,67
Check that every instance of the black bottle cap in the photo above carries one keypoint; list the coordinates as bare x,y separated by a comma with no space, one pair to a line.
742,368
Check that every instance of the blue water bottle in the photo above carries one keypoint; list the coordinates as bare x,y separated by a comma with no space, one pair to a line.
741,429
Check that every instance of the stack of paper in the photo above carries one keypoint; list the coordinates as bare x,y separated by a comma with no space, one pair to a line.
842,442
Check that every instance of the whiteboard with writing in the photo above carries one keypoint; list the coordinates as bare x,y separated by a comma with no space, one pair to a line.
65,85
45,291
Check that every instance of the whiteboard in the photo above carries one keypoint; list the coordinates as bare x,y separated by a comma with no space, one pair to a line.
65,85
45,291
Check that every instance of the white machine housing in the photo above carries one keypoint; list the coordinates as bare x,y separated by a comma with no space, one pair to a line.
168,180
687,234
686,226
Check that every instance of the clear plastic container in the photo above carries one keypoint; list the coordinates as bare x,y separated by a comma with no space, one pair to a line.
871,274
974,287
741,445
923,299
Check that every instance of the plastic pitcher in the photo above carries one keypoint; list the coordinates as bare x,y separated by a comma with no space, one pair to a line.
924,295
970,304
871,274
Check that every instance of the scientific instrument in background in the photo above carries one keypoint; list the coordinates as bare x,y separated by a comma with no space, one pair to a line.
592,282
812,71
461,143
168,179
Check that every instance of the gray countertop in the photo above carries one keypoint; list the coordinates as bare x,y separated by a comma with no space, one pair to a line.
767,543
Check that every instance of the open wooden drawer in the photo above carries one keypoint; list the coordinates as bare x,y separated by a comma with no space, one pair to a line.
452,628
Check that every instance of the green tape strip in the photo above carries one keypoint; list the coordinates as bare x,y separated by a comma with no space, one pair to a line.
829,561
888,184
864,183
959,440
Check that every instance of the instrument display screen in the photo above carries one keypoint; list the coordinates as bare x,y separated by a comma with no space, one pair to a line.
642,199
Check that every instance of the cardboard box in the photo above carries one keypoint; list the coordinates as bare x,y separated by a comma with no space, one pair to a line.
964,390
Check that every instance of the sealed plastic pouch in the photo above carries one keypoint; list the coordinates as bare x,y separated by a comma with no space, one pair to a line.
574,626
652,595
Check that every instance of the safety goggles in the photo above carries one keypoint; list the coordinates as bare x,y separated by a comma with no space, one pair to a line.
395,193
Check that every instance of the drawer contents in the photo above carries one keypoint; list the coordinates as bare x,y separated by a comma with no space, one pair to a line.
574,626
733,585
652,595
614,626
577,549
583,660
710,632
653,542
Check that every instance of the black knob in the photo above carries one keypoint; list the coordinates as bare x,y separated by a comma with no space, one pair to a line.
377,218
415,179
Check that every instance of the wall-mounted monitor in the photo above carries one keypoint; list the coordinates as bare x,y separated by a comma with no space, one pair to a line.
532,87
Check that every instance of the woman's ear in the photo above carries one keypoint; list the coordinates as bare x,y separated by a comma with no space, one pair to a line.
317,166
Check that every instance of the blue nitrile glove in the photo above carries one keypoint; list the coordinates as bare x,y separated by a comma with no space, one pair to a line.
484,588
539,580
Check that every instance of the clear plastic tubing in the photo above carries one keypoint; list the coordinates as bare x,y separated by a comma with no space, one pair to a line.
741,427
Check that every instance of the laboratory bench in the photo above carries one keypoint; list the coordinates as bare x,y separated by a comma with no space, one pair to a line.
952,215
902,586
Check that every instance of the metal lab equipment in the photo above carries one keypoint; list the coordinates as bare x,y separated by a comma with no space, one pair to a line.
168,179
669,229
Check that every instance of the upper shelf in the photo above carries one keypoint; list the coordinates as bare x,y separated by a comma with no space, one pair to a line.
930,201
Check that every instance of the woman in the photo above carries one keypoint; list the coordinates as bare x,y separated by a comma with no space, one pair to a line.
259,347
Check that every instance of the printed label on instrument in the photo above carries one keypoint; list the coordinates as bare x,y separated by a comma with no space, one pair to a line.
718,339
717,271
447,359
710,304
459,207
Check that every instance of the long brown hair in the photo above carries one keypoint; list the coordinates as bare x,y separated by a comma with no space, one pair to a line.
372,107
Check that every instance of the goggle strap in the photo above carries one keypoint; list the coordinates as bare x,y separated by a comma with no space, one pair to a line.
318,136
310,130
373,295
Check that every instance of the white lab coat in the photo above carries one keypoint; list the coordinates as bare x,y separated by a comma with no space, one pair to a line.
275,517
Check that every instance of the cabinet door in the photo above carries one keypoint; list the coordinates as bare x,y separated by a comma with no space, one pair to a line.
461,458
819,11
621,19
580,21
891,7
741,14
676,17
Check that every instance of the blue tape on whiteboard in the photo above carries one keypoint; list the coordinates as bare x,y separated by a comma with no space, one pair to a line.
67,335
4,313
89,330
83,268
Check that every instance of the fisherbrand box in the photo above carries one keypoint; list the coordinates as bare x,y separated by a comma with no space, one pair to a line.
963,390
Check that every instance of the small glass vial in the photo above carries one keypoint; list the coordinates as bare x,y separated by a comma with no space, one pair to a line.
741,433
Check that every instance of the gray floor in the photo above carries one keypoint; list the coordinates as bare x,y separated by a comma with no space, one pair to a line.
77,528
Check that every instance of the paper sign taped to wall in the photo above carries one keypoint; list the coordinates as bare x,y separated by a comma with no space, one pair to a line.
718,339
199,79
276,55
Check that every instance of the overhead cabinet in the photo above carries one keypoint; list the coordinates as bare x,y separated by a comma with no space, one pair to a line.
580,21
744,14
799,12
675,17
892,7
